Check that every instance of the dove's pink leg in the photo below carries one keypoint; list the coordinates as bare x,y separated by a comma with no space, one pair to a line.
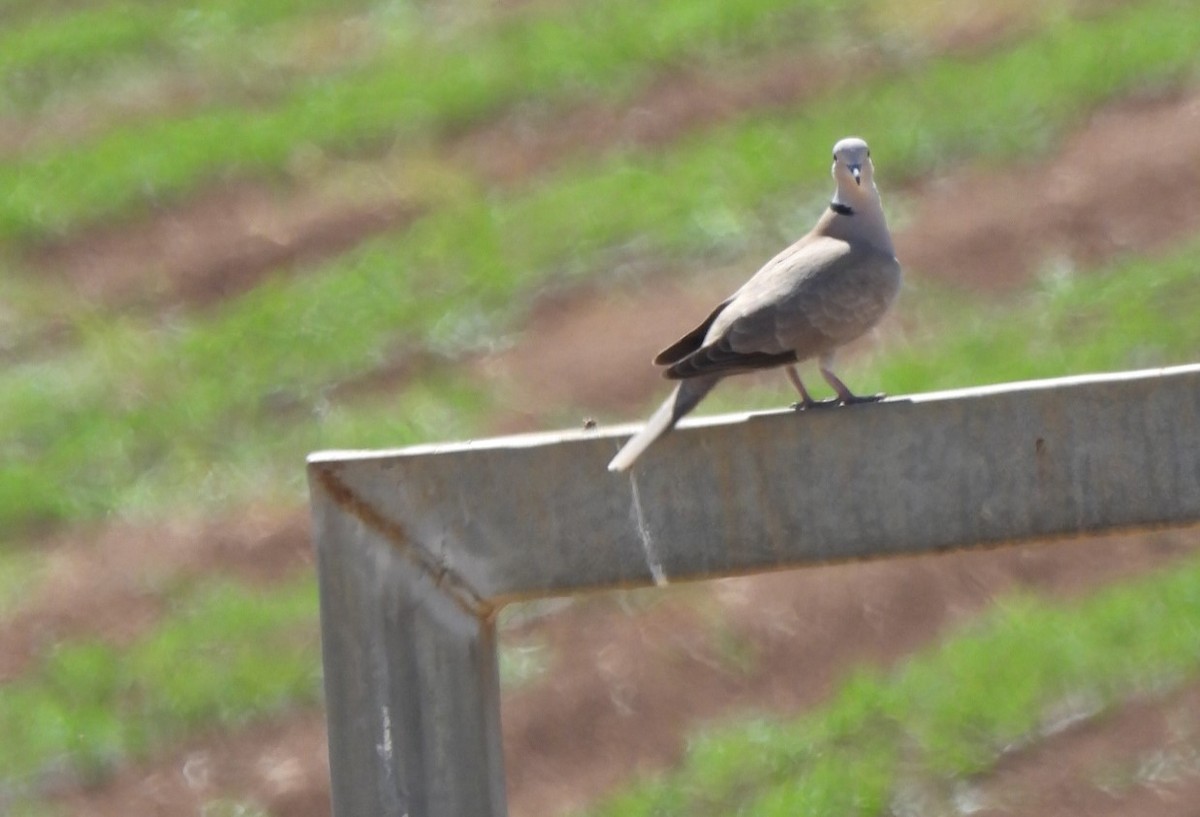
845,396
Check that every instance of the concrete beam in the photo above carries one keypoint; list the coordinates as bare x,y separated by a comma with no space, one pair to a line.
538,514
419,547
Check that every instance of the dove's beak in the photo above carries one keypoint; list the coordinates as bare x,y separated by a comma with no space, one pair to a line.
856,172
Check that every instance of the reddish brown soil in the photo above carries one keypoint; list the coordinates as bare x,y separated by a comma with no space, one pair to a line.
215,246
1128,182
629,681
112,583
592,346
280,766
74,122
1142,759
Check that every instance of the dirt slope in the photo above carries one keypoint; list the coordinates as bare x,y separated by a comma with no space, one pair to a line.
625,690
628,681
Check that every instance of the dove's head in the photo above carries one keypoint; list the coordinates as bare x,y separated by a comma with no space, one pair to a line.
852,163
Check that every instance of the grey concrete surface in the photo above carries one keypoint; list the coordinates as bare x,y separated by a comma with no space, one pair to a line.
418,548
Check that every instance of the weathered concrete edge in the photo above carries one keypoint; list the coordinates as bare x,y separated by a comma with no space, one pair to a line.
326,490
625,429
464,563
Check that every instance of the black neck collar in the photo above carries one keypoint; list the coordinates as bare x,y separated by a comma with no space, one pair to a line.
841,209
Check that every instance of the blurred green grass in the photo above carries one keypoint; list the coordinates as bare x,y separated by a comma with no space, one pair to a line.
223,655
153,458
418,86
1135,314
228,653
139,405
43,54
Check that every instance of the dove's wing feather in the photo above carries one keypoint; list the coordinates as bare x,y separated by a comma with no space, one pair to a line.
696,338
814,297
690,342
720,358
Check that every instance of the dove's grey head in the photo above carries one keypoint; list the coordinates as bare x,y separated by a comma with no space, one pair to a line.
852,163
856,213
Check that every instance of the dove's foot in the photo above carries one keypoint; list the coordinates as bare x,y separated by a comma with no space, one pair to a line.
805,405
845,397
848,399
853,399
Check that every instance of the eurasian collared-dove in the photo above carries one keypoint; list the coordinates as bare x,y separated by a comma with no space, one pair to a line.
827,289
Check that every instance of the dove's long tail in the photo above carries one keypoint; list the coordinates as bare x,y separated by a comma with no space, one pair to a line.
685,398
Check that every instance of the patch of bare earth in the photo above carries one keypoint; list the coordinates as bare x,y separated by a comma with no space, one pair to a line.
74,122
1126,182
1141,759
112,583
280,766
569,354
215,246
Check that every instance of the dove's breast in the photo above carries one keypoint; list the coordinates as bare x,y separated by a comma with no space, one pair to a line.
825,296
